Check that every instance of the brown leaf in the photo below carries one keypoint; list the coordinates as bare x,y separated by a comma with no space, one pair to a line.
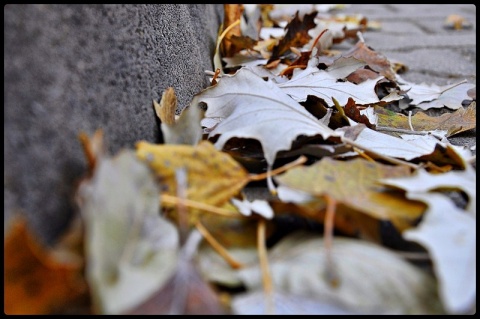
296,36
232,13
362,75
352,111
185,289
36,281
165,110
375,60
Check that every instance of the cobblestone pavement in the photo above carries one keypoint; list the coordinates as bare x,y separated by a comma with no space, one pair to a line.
416,35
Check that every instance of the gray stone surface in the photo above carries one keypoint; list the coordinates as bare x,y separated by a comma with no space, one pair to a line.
74,68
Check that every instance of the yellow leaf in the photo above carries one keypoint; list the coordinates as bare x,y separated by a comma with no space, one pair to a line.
213,176
354,184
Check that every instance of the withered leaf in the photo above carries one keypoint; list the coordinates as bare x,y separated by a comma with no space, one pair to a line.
296,36
36,281
130,249
426,96
322,84
461,120
250,107
372,279
213,176
232,13
375,60
449,234
186,292
355,184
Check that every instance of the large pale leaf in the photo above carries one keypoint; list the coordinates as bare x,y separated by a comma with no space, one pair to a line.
256,303
213,176
388,145
354,183
372,279
131,251
433,96
342,67
423,182
449,234
253,108
322,84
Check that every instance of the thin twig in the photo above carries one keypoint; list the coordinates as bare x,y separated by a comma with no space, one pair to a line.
330,272
258,177
266,276
169,199
217,246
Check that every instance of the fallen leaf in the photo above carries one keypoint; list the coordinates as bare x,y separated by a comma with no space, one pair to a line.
372,279
167,107
253,108
186,292
375,60
422,182
296,36
232,13
213,176
254,303
426,96
463,119
185,130
131,251
456,22
36,281
355,183
449,235
320,83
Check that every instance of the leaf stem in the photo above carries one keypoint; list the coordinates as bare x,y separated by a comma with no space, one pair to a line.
331,274
217,246
390,159
170,199
258,177
404,131
266,276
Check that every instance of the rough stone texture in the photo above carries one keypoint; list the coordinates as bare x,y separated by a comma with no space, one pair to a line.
74,68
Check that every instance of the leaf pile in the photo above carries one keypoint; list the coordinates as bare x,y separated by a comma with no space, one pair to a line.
304,180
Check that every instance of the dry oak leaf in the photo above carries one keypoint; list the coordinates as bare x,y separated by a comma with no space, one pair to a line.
36,282
375,60
404,147
249,107
213,176
422,182
449,235
313,81
296,36
355,184
426,96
